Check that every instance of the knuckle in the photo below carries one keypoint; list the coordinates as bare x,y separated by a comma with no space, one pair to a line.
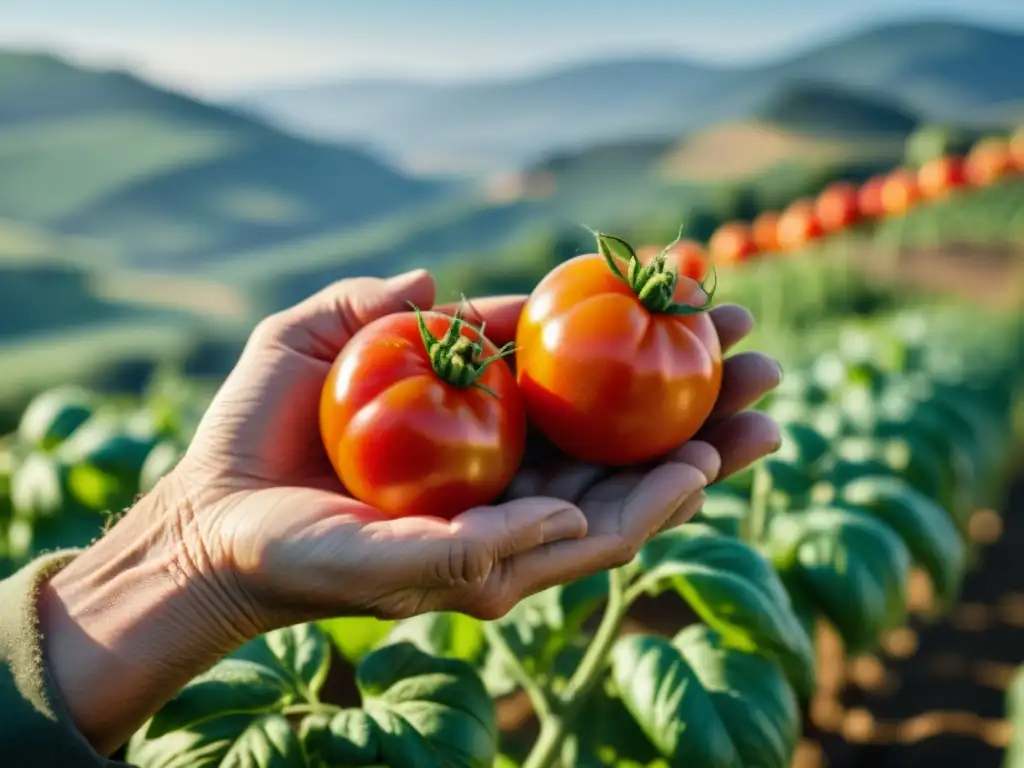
267,330
467,562
623,552
491,606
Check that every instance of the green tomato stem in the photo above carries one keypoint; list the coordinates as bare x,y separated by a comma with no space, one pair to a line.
539,696
655,283
556,726
456,359
755,524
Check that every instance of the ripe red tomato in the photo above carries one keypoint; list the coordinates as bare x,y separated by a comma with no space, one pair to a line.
420,416
941,176
732,243
836,208
765,231
1017,149
618,362
869,197
798,226
900,192
988,161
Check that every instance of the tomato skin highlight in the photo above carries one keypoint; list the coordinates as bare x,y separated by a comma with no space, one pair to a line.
405,441
605,379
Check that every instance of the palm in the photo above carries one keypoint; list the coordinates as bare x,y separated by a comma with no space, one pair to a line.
284,528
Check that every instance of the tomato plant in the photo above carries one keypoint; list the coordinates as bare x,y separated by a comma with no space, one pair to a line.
893,431
421,416
617,367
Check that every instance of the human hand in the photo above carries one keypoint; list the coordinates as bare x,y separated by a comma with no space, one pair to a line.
284,543
252,530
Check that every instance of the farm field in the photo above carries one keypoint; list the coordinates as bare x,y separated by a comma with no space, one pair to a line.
851,600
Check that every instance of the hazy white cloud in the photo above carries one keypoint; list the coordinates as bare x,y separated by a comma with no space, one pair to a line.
202,63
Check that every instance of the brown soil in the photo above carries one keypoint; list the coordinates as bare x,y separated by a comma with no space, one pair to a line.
990,275
934,694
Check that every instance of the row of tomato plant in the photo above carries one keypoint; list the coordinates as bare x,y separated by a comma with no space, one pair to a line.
889,444
844,205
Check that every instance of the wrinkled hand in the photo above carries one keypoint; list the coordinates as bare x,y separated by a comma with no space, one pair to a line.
271,527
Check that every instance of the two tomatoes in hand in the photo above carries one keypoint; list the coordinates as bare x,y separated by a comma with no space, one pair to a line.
616,362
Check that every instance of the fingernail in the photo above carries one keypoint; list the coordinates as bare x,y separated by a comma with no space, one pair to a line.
565,524
406,280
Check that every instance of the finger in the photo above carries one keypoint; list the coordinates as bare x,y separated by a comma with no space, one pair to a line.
733,324
686,512
746,378
742,439
429,553
701,455
562,478
499,313
322,324
654,500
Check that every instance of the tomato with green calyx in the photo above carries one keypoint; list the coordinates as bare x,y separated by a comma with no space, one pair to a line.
420,415
618,361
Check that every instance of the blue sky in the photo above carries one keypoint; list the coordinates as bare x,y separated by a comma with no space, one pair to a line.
220,47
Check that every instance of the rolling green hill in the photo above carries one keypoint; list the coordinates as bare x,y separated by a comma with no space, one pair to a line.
940,70
835,112
159,179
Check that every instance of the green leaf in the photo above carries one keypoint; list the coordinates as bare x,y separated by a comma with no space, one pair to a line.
298,654
851,566
38,486
231,687
724,510
238,741
539,627
912,458
105,443
703,703
355,636
448,635
802,445
161,460
53,416
429,711
735,590
1015,714
604,731
750,694
347,738
926,529
100,492
417,711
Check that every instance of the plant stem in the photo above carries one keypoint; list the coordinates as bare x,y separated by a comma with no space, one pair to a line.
754,525
587,675
311,708
539,697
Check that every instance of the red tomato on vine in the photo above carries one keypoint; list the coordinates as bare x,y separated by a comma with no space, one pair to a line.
618,367
420,415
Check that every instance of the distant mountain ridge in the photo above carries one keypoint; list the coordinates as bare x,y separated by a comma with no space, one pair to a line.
163,178
941,70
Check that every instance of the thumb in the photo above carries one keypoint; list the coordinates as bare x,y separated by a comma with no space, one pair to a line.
322,324
479,538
